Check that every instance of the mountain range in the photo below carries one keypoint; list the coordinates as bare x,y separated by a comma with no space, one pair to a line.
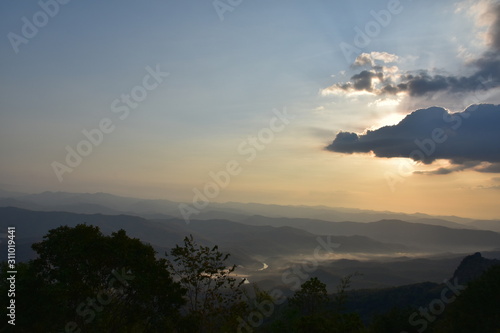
388,251
104,203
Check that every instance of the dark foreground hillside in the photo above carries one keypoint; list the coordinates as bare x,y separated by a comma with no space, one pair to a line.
372,302
82,280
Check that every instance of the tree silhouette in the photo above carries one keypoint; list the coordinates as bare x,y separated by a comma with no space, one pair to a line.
310,311
83,281
212,293
311,298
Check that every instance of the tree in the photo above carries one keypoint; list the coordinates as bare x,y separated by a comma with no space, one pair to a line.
311,298
309,311
212,293
341,296
83,281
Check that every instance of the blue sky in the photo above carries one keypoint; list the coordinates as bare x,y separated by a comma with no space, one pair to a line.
225,79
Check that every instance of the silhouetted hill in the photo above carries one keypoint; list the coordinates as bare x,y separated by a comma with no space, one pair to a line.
278,247
90,203
472,267
493,225
13,202
241,240
476,309
425,238
113,204
370,302
332,214
443,223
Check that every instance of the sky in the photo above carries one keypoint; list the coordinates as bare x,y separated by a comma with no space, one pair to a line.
362,104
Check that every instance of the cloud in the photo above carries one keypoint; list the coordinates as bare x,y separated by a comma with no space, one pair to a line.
485,72
490,168
468,139
448,170
370,58
364,80
494,32
370,79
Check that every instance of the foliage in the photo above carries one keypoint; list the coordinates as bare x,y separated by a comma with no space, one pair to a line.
308,311
341,296
90,282
213,296
311,298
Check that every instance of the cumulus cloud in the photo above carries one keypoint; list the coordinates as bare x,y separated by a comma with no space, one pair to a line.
468,139
370,59
375,76
485,72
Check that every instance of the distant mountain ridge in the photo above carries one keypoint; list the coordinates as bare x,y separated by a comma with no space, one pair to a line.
294,235
385,263
415,235
240,238
105,203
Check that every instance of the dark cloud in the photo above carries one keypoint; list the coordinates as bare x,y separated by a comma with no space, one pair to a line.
485,73
465,138
486,76
363,80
